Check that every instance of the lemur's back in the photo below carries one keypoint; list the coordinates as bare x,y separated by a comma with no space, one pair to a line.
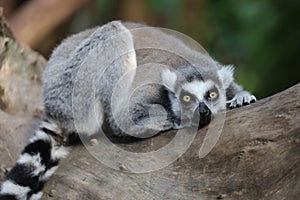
73,69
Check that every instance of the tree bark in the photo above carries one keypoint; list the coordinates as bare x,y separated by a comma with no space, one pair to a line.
257,155
20,95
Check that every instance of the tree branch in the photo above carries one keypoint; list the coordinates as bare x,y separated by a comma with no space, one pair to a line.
37,18
256,157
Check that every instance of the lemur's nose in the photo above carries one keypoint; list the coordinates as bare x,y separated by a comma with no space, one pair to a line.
203,109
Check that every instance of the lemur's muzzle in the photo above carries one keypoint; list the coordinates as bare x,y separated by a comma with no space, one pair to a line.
205,115
201,117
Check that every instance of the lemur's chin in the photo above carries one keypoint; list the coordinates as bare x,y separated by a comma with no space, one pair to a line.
204,121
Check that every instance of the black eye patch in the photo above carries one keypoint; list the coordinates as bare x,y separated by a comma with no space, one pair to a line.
187,97
212,94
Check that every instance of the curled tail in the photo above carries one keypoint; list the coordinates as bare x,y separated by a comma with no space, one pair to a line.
37,162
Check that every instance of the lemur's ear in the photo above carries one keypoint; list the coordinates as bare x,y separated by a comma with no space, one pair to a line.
226,75
168,79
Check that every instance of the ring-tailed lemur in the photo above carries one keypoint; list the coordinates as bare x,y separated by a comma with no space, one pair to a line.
123,73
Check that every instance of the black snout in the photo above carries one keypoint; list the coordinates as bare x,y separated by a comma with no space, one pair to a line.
203,109
205,115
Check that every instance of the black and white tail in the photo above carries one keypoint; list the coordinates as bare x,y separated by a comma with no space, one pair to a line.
37,162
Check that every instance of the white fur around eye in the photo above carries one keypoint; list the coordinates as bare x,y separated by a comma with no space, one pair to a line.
226,75
198,88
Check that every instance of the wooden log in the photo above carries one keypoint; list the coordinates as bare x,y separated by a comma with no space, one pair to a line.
256,157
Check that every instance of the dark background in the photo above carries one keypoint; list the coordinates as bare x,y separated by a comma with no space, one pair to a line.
259,37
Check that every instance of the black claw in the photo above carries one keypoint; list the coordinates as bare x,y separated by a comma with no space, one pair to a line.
252,101
231,107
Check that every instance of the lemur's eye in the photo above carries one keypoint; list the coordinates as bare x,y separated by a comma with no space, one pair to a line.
186,98
213,95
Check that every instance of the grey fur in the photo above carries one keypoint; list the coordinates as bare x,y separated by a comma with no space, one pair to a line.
70,97
141,80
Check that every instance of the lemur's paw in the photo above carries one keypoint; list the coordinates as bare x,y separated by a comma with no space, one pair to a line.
240,99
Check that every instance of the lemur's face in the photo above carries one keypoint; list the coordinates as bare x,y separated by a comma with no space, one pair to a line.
194,102
197,102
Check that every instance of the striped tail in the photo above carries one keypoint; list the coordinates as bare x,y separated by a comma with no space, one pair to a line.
37,162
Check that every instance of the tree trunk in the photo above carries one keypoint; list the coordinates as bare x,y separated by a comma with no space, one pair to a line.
257,155
20,95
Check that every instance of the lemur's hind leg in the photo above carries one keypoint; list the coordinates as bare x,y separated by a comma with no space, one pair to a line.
36,164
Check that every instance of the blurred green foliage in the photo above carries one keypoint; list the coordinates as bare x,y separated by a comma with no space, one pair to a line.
260,37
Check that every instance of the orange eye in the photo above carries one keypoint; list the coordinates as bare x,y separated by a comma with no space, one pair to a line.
213,95
186,98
